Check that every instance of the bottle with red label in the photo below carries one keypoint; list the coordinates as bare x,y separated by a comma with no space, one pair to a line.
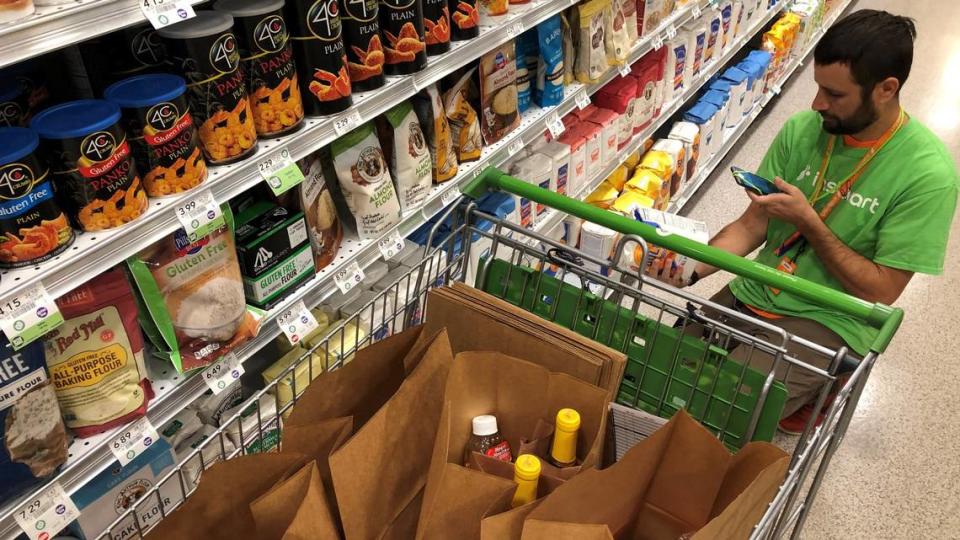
486,440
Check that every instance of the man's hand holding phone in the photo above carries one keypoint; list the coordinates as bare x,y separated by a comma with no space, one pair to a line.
787,204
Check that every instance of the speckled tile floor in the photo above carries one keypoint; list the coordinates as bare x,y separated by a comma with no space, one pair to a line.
897,474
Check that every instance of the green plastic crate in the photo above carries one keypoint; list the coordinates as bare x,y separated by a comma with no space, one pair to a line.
711,394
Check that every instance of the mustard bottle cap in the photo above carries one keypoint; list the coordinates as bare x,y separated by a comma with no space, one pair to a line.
527,467
568,420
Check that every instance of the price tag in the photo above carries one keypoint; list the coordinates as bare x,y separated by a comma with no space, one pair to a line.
280,172
478,170
697,11
200,215
162,13
450,196
657,42
133,441
554,125
223,373
297,322
350,120
776,89
47,514
29,315
583,100
391,245
349,277
515,146
671,32
517,28
624,70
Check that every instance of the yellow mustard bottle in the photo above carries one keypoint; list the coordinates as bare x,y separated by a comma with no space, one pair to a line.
563,453
526,473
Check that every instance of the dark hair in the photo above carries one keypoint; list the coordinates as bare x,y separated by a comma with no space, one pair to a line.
874,44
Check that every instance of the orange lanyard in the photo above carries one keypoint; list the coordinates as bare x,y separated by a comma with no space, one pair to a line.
846,185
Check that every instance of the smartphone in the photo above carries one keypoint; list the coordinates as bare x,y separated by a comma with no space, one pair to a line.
752,182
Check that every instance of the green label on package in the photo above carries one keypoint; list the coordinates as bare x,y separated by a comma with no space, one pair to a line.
29,315
280,172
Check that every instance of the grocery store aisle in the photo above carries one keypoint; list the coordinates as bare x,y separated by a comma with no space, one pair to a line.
896,474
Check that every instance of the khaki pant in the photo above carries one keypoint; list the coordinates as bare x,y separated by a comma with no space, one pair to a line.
802,385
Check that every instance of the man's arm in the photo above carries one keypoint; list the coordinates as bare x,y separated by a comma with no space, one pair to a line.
859,275
739,237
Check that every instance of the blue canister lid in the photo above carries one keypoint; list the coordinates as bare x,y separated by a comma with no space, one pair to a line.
16,142
145,90
75,118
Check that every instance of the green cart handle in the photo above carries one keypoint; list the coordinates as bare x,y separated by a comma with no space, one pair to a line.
882,317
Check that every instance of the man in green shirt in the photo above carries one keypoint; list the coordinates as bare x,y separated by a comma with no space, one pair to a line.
859,214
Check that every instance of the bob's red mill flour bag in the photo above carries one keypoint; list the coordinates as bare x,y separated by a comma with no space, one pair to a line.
95,357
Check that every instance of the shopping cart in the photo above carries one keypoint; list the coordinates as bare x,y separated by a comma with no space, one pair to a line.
669,366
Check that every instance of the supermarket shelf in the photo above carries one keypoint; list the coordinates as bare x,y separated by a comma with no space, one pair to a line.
732,135
91,456
92,252
53,27
667,111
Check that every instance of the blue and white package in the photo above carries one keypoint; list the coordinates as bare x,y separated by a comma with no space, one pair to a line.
549,89
33,440
526,68
704,115
738,95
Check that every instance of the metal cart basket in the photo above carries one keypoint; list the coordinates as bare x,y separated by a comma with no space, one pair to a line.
678,345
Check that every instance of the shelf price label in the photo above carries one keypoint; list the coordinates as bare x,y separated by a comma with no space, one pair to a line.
450,196
391,245
347,122
671,32
297,322
657,42
555,125
133,441
224,373
583,100
696,10
29,315
624,70
515,146
162,13
517,29
199,215
42,517
280,172
348,277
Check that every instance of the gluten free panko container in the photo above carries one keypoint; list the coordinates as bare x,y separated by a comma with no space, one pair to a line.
34,228
166,147
205,51
92,165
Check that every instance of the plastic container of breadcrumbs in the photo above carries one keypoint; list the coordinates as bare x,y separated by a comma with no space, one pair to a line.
164,140
91,162
32,226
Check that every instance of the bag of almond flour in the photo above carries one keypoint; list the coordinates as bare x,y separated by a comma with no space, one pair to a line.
192,303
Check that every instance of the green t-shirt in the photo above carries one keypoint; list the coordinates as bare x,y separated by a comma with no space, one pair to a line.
897,214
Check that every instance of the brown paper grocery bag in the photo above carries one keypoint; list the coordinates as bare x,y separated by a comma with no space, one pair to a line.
318,441
361,387
220,507
679,480
379,473
294,509
477,321
520,394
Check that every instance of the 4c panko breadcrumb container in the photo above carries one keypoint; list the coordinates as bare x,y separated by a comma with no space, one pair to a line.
87,150
32,225
269,65
162,134
205,49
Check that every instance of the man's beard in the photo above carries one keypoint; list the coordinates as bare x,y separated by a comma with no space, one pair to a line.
865,115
